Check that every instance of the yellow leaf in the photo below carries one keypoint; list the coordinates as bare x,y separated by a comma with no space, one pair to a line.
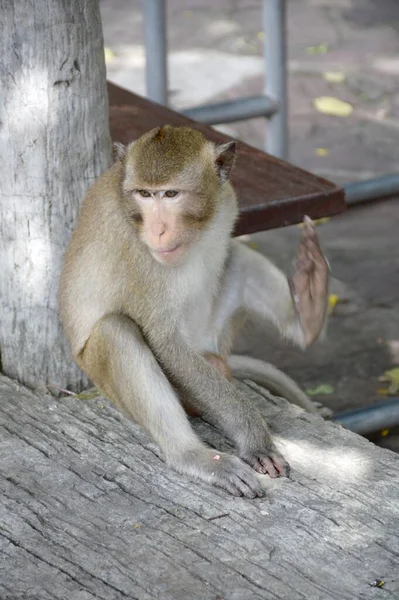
322,152
328,105
260,35
88,394
321,390
320,49
332,302
109,55
391,377
384,432
334,76
315,222
383,392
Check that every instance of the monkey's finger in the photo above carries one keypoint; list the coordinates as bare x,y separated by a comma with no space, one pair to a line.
308,227
259,468
269,466
238,487
245,490
255,462
280,464
229,486
252,483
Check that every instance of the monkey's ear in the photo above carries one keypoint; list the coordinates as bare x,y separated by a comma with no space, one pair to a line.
118,151
224,160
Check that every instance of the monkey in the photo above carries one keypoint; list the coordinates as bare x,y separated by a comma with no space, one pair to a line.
154,288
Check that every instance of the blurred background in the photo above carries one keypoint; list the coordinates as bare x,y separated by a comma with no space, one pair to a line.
347,50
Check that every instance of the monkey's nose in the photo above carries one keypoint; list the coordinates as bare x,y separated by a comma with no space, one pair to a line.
158,229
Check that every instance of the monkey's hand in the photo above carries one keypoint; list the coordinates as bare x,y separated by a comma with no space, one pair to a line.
267,461
220,469
309,284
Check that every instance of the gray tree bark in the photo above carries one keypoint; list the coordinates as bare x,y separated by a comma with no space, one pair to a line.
54,141
89,512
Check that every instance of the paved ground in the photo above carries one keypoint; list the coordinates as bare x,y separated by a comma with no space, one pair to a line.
215,53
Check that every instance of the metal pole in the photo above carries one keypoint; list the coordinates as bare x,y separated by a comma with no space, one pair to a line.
273,16
229,112
371,189
384,415
156,50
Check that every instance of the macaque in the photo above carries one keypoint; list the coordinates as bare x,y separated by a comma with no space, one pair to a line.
154,290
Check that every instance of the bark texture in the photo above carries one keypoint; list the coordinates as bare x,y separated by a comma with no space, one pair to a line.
54,141
89,510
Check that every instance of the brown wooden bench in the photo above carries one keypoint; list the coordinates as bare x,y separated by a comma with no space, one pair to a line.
272,193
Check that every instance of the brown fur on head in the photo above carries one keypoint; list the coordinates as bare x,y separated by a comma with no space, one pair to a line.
178,162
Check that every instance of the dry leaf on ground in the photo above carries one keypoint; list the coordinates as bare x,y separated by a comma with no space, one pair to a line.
328,105
392,377
319,49
334,76
321,390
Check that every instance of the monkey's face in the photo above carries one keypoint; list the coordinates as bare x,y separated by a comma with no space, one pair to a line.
169,221
171,189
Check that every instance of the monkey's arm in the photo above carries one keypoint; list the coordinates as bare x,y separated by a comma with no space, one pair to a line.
118,360
218,401
297,307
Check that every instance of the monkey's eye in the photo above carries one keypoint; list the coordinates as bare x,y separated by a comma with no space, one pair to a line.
144,193
171,193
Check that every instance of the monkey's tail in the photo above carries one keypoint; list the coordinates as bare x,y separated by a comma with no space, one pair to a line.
265,374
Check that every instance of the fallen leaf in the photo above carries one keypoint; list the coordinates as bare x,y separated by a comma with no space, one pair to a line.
322,152
253,245
334,76
315,222
383,392
378,583
319,49
109,55
384,432
328,105
88,394
321,390
391,377
333,300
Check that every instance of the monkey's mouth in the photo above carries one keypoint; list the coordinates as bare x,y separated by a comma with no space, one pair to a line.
167,251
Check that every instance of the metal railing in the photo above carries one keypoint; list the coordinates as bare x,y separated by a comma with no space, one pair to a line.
272,105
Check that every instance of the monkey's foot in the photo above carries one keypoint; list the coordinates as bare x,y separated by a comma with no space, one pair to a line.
309,283
223,470
271,462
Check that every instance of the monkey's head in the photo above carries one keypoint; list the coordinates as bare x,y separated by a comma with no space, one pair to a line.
172,179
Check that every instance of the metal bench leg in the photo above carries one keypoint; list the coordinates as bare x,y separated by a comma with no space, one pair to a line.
156,50
276,75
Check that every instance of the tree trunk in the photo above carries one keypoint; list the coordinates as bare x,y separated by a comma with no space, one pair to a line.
54,141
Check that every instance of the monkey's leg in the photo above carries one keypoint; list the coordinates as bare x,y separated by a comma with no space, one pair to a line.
297,308
310,284
121,364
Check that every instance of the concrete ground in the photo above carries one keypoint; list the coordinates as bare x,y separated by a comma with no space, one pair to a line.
216,53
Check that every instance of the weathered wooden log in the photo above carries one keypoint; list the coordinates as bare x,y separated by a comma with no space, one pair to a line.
89,511
54,141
